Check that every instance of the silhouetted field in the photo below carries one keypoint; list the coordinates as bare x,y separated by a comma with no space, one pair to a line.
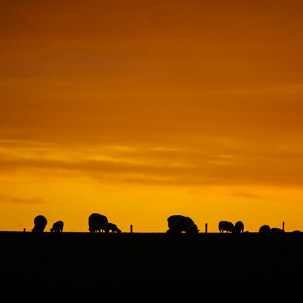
120,261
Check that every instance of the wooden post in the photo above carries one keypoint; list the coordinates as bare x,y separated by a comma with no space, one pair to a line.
206,228
283,226
131,228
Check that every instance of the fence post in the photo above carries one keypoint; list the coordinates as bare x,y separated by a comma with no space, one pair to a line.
283,226
206,228
24,230
131,228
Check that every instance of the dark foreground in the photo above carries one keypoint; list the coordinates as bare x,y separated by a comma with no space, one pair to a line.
83,261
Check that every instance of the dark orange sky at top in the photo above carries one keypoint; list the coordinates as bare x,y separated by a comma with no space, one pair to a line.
142,109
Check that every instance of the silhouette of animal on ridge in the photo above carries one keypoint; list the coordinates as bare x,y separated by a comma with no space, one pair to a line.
112,227
97,222
239,227
276,230
57,227
178,223
264,229
40,223
226,226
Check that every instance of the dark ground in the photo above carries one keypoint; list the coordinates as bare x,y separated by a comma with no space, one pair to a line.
126,262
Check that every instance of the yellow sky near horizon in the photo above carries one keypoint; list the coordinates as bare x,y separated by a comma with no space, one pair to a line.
143,110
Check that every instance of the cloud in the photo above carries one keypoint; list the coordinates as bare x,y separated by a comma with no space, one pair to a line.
214,162
5,198
247,195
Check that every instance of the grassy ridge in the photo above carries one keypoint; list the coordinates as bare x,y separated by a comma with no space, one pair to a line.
83,260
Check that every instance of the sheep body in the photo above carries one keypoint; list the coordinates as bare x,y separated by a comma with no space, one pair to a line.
264,229
239,227
112,227
40,223
57,227
226,226
276,230
178,223
97,222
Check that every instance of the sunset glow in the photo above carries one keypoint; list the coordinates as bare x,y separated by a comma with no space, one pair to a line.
139,110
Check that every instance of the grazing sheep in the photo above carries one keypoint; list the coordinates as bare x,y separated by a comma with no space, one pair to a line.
276,230
264,229
296,232
40,223
112,227
57,227
97,222
239,227
178,223
226,226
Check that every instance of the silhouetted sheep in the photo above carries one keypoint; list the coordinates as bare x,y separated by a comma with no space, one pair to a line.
296,232
276,230
57,227
112,227
264,229
40,223
97,222
226,226
179,223
239,227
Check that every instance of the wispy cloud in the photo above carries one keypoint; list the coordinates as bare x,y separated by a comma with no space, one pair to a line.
246,195
6,198
210,163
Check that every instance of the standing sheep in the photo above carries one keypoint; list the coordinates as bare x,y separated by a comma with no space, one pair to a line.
112,227
40,223
239,227
97,222
276,230
179,223
226,226
264,229
57,227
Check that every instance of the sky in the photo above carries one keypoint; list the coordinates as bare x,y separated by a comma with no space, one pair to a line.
139,110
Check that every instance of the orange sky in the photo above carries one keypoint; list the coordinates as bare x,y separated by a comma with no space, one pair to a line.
143,109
